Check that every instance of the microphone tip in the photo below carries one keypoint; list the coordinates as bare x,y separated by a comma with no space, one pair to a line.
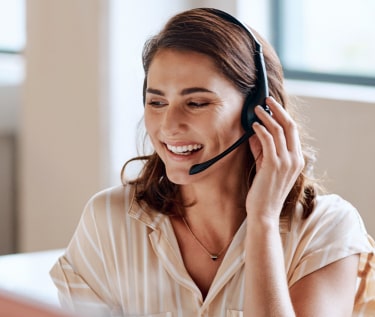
195,169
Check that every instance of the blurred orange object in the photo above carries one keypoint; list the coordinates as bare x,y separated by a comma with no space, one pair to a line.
12,305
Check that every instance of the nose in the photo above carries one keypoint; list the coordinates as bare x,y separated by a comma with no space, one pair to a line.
174,120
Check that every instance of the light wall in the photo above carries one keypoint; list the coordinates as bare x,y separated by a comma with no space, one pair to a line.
63,126
342,130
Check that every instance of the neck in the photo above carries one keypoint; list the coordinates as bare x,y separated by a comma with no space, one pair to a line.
216,201
216,213
217,195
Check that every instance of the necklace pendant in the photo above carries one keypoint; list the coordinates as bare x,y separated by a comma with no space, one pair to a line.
214,257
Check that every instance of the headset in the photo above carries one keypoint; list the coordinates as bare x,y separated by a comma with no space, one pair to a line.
258,97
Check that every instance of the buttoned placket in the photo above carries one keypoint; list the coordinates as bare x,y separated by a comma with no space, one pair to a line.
168,252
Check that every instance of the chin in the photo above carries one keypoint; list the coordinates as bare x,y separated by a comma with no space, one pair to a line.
179,177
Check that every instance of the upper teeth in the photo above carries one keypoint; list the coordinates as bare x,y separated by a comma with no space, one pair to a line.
183,148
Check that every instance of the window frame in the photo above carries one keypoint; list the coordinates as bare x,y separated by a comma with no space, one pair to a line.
10,52
277,38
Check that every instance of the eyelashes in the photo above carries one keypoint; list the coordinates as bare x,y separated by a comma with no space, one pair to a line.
156,103
198,104
192,104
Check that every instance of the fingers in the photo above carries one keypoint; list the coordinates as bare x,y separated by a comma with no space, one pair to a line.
280,126
279,138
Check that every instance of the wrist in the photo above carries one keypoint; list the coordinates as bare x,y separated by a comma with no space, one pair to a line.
262,225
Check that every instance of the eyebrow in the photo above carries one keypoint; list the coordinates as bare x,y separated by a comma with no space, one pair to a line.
183,92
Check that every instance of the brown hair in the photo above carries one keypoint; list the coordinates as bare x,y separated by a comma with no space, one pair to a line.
231,48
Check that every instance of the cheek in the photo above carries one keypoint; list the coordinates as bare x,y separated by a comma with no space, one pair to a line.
234,118
149,122
228,117
229,123
150,127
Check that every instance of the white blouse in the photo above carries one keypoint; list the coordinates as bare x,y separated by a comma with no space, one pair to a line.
124,260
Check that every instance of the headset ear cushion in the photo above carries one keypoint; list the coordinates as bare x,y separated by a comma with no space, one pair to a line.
248,116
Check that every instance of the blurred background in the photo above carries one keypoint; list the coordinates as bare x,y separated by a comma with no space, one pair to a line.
70,99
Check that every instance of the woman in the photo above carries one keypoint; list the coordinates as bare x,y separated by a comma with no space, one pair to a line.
247,236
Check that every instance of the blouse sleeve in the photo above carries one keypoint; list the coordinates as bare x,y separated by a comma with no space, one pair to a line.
332,232
80,275
74,292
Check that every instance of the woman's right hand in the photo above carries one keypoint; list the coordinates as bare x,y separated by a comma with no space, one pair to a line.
279,161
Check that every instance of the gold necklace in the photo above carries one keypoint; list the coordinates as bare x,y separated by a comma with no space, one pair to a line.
213,257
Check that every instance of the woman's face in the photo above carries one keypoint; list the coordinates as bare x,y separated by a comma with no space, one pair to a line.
192,113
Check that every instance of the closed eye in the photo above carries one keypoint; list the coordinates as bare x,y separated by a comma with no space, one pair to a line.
157,103
198,104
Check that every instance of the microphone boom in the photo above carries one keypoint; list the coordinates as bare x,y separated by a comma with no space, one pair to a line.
197,168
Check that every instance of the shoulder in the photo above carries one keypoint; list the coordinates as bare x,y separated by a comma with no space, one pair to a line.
334,230
331,211
334,223
333,203
115,195
110,202
116,205
333,208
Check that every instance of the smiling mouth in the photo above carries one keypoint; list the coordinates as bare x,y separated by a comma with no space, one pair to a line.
184,149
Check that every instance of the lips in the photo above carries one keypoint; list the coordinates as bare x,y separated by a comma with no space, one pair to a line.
184,149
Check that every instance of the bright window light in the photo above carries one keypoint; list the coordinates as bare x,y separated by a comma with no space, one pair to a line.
318,39
12,25
327,37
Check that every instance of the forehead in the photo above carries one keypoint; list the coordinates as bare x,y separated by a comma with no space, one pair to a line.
170,63
187,55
